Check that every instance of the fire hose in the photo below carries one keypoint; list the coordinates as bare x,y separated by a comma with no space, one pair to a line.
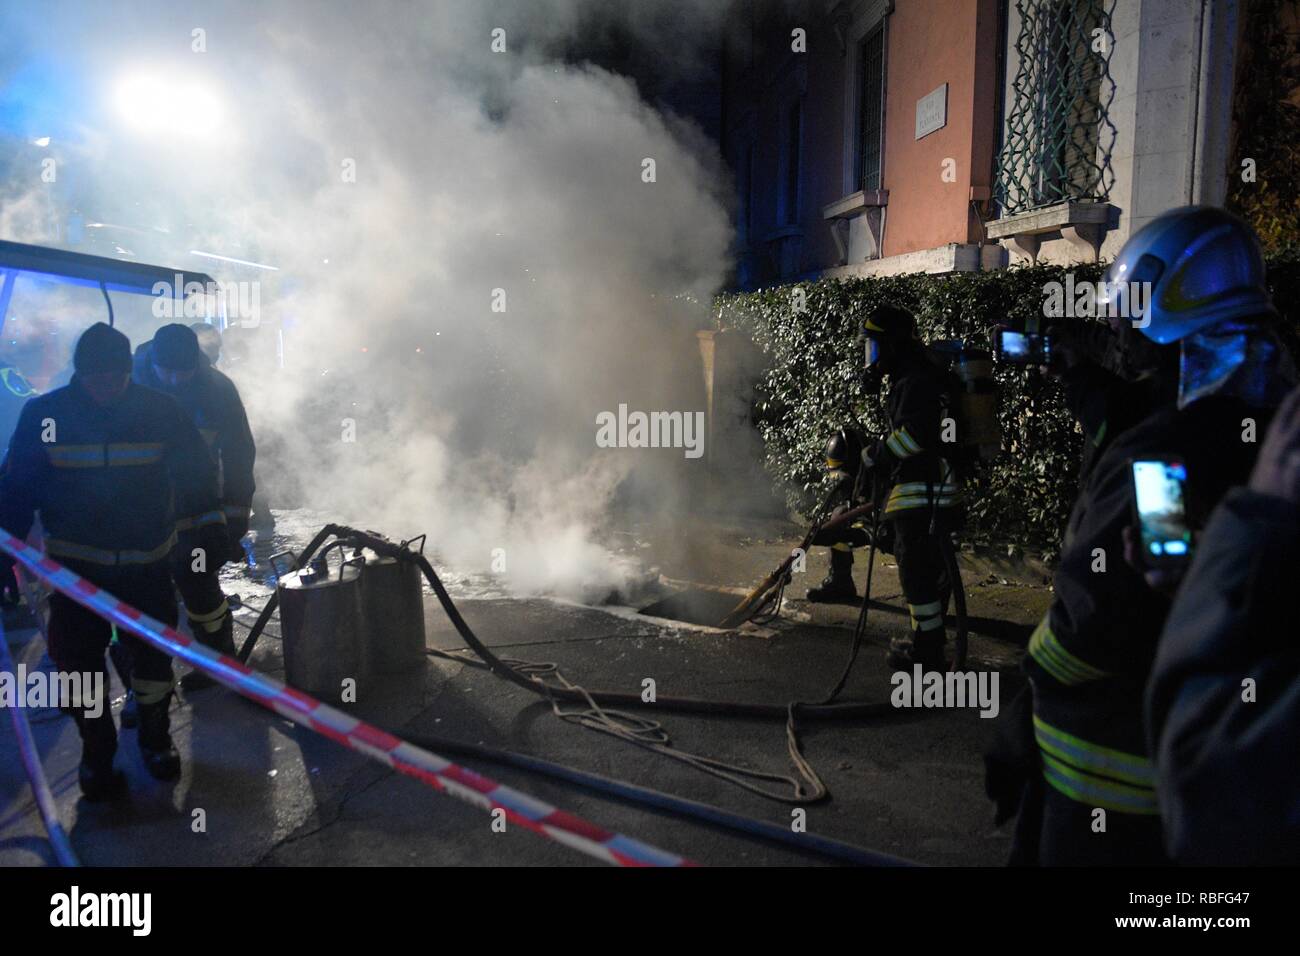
755,600
518,673
635,730
770,588
515,671
366,739
619,789
690,705
132,620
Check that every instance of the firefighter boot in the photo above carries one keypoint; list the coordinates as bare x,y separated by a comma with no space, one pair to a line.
160,757
221,640
98,779
919,647
837,587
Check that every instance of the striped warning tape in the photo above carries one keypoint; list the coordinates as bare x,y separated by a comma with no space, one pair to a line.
31,758
437,772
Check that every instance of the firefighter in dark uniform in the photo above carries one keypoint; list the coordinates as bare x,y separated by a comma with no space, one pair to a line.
1225,760
924,498
1085,356
209,342
1204,327
843,462
111,467
174,363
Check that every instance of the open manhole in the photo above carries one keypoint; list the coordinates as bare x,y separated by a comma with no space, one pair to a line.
694,606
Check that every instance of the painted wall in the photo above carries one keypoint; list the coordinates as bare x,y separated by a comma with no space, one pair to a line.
932,42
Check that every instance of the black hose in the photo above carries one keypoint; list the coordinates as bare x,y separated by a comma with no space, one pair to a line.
619,789
706,813
689,705
109,302
860,627
962,639
264,618
694,705
258,626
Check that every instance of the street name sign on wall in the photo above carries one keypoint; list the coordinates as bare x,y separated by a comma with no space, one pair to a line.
932,112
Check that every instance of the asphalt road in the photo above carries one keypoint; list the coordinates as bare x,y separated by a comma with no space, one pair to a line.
272,793
908,784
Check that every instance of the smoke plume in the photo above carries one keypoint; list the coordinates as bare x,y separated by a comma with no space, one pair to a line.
403,177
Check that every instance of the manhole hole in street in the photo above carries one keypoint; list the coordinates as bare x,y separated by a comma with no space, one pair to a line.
694,606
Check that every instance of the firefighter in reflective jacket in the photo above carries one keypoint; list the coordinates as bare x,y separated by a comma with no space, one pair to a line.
1205,327
924,497
174,363
843,461
111,467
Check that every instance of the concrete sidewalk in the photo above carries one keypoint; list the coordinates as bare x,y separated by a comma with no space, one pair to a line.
270,793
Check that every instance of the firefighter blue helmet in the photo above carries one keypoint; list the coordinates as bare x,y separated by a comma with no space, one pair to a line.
1203,265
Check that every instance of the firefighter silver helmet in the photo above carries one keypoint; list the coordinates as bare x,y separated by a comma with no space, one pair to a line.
1200,265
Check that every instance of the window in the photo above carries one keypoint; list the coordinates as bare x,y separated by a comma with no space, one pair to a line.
1058,136
871,106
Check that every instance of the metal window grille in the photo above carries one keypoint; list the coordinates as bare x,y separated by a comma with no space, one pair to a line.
1058,136
871,107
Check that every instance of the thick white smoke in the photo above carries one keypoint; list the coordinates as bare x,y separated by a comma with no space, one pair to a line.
397,170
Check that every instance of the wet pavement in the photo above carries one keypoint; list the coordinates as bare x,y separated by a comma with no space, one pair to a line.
258,790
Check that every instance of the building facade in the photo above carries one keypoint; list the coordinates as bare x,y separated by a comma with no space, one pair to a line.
878,137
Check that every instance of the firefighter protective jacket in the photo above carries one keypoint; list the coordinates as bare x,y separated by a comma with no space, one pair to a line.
1090,657
112,483
1105,406
910,453
213,404
1229,793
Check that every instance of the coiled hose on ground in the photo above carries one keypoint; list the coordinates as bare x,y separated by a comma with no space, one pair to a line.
597,699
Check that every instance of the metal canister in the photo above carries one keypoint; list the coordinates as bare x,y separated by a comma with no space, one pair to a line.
323,629
393,606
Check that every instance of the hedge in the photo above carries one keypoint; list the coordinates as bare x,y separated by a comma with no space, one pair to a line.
811,385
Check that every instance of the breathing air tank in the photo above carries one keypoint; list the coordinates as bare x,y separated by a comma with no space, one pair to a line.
979,403
979,433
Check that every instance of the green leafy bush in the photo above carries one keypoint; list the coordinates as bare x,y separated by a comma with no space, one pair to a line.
811,385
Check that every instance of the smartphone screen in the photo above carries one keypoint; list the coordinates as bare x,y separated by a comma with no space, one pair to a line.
1023,347
1159,498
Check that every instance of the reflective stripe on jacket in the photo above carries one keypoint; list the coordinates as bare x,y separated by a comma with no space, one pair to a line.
1089,659
110,482
911,453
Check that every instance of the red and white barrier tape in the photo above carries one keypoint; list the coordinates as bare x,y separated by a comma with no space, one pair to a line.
437,772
